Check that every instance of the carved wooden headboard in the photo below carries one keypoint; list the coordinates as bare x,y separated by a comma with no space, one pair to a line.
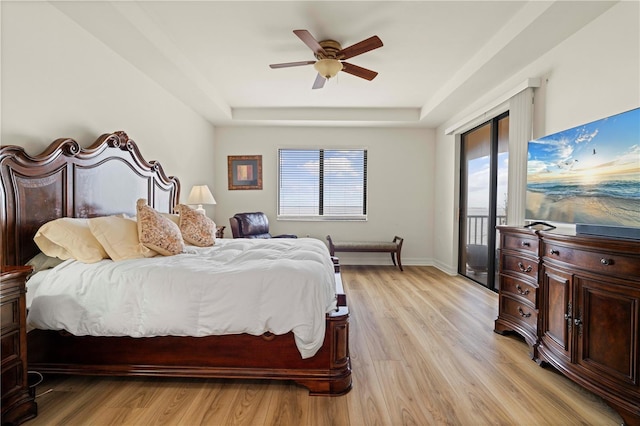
68,181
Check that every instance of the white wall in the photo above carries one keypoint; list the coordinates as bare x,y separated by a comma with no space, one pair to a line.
59,81
594,74
400,182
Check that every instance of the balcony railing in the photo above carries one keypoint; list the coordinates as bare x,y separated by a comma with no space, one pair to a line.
478,228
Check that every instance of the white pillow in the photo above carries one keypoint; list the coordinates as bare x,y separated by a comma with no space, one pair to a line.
119,237
69,238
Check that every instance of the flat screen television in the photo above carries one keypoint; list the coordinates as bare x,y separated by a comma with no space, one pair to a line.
588,175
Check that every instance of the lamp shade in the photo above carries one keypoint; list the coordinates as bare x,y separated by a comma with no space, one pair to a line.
200,194
328,68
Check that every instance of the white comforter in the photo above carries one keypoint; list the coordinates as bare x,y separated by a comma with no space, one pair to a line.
236,286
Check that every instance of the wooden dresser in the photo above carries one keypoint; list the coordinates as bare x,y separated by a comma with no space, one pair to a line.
588,308
17,404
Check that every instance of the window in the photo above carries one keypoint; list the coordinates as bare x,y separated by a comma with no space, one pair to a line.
322,183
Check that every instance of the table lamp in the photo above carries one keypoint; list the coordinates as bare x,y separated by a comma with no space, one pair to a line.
200,194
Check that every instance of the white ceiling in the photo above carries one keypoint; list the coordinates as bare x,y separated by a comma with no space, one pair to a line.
437,55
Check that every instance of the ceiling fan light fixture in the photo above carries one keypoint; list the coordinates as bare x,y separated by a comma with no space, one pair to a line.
328,68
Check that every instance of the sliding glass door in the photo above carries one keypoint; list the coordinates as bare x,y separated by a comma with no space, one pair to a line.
483,198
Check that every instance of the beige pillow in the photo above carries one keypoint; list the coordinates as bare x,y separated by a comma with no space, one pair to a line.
174,217
196,228
119,237
157,232
69,238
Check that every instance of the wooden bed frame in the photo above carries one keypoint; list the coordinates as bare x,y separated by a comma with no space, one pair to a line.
107,178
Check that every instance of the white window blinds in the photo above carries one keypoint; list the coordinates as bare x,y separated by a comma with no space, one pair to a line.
322,183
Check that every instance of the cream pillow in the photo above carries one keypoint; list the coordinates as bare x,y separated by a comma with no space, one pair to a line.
174,217
158,232
196,228
119,237
69,238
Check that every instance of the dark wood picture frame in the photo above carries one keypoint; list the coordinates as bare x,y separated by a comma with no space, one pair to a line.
244,171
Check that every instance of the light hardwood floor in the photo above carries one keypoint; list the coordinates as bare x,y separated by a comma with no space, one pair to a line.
423,352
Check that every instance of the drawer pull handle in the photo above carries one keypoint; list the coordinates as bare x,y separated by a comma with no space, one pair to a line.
523,269
578,323
606,261
554,251
523,314
523,292
525,244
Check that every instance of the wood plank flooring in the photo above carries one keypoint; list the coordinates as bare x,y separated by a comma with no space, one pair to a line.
423,352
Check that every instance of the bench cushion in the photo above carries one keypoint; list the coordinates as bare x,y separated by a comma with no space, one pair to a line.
370,245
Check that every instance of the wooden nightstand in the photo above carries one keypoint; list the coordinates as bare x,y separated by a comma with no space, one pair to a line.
17,404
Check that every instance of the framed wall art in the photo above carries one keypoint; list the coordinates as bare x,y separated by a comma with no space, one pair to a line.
244,171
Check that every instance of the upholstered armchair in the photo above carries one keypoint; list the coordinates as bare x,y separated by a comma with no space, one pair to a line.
252,225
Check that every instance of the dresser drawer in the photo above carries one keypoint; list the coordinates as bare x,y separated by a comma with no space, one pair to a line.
10,315
10,347
519,289
521,312
11,381
519,242
519,266
16,402
593,260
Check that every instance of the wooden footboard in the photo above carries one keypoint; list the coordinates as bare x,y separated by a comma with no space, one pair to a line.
233,356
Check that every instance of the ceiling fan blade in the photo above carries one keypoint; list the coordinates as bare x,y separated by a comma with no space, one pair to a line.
310,41
292,64
358,71
319,83
371,43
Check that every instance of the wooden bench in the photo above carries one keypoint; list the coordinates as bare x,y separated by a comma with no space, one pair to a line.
394,247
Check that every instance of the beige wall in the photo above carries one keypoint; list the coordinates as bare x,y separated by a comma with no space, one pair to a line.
400,180
593,74
58,81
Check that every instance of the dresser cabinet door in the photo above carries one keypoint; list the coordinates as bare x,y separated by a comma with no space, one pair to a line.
557,312
608,330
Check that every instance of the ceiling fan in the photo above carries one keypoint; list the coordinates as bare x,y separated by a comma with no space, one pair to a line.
330,56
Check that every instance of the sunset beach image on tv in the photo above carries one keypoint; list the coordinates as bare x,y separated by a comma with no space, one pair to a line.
588,174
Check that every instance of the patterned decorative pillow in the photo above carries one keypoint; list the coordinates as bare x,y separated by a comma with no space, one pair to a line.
196,228
157,232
